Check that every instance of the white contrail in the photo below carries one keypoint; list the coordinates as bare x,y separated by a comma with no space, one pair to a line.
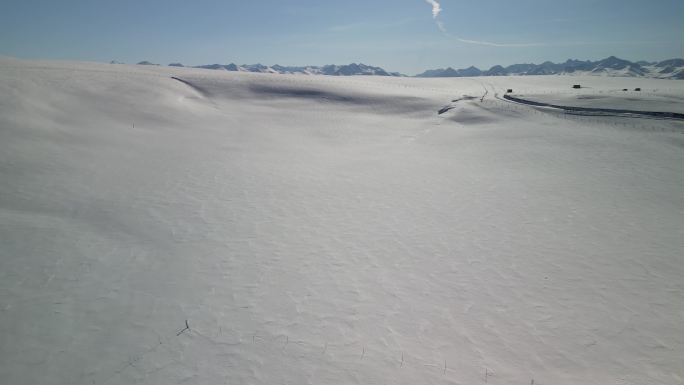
437,9
488,43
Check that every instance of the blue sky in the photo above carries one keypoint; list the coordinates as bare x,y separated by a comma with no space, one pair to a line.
398,35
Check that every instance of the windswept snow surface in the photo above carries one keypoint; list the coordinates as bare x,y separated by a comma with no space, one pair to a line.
318,230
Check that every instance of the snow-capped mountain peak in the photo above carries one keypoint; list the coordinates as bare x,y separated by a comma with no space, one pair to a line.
611,66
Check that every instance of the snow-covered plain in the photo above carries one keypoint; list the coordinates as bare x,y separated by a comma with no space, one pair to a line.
321,230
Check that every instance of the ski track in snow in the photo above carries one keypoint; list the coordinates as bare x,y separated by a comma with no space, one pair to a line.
325,230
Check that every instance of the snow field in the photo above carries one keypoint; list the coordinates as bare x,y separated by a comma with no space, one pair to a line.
320,230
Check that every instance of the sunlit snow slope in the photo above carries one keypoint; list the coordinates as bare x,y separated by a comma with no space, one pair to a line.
320,230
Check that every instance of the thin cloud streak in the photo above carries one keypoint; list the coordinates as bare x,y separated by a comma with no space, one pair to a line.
490,44
437,9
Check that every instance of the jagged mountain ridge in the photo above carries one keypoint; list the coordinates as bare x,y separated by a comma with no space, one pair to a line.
331,69
611,66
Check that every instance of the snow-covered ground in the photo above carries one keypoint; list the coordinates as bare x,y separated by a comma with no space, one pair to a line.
644,100
323,230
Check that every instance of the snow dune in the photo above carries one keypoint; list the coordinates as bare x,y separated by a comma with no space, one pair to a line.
320,230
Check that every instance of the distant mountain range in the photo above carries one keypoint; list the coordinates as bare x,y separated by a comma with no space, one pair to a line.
612,66
333,70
